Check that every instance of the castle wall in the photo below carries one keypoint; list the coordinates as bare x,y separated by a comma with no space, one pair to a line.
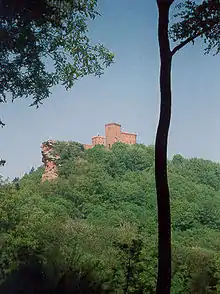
112,134
128,138
88,146
98,140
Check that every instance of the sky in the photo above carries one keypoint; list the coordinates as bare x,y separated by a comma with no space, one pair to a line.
127,93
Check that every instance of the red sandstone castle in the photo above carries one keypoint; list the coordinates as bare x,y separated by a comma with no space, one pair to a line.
113,134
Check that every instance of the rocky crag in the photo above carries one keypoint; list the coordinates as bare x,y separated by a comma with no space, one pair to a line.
49,161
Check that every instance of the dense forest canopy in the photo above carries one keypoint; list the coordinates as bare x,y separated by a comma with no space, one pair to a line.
97,223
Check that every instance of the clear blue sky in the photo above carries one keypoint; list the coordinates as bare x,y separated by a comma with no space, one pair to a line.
127,93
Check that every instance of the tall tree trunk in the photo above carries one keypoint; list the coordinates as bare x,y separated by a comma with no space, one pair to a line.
162,188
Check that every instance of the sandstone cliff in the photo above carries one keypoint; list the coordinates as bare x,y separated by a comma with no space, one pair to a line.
49,160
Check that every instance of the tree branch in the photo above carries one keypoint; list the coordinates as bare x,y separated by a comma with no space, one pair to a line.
190,39
2,162
183,43
1,123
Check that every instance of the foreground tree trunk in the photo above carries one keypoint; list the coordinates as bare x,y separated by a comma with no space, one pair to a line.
162,188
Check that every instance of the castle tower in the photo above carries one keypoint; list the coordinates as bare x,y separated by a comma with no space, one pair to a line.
112,134
98,140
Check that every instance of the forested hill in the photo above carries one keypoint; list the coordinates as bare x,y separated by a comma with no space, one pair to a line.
96,225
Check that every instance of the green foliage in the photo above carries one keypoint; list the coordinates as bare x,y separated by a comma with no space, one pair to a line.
197,20
99,221
198,170
53,33
45,43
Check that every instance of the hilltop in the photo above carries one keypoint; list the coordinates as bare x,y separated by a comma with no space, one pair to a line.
98,221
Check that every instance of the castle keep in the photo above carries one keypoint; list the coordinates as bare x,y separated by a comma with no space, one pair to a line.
113,134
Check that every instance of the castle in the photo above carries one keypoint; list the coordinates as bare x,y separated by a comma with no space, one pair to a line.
113,134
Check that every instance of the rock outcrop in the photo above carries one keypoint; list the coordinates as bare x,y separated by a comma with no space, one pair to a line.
49,160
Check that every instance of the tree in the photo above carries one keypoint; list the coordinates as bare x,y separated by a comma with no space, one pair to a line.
196,20
34,34
45,43
31,170
90,226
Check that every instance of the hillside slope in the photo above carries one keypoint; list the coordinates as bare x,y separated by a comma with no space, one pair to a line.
98,221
